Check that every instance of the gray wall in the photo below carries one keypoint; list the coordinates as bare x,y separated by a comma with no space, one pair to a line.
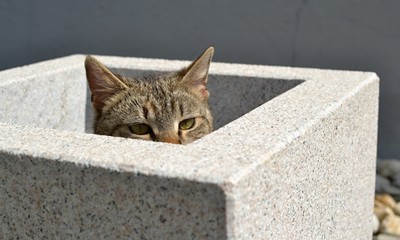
336,34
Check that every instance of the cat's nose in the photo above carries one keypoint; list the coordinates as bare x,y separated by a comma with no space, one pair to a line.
172,140
169,139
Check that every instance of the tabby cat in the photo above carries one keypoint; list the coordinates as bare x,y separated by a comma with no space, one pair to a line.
170,108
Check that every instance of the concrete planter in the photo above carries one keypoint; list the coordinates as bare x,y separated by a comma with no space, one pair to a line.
300,166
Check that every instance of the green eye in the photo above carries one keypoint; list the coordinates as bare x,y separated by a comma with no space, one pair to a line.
186,124
140,129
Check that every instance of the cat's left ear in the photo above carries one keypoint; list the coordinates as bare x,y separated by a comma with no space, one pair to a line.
102,83
196,75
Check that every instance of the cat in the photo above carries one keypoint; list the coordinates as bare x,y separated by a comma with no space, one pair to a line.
171,108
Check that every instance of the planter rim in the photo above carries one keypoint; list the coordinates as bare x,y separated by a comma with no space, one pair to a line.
223,157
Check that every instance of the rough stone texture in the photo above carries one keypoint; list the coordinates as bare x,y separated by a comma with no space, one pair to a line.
301,166
44,96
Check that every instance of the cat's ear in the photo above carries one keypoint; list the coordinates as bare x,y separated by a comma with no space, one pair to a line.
196,75
102,82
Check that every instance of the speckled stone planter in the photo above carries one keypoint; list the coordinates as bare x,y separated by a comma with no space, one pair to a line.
293,157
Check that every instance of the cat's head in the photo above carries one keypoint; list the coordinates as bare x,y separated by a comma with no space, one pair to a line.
169,108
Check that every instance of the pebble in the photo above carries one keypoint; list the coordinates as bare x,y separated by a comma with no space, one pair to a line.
387,179
381,184
375,224
386,217
391,225
381,210
396,180
386,199
388,167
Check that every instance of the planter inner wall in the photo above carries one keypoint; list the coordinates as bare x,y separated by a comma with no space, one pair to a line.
61,100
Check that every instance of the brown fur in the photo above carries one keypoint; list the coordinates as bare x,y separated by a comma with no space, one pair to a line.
161,102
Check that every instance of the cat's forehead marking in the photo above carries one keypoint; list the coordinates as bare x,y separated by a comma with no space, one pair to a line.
150,109
145,112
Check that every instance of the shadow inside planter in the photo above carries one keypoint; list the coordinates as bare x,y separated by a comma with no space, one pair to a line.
230,96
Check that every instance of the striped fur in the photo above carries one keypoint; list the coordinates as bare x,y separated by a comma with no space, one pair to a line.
161,102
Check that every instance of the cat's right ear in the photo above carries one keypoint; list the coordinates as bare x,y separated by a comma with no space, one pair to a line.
102,82
196,75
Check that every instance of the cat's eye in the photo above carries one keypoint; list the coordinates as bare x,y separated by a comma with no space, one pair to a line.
186,124
140,129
